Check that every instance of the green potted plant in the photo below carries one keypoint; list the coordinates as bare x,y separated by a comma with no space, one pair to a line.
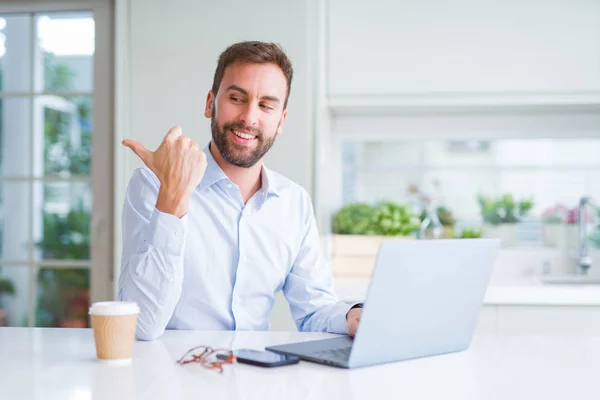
469,233
501,214
391,219
359,229
6,288
354,219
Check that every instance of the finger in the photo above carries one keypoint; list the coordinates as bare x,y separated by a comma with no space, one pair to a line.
138,149
184,141
352,330
174,133
194,146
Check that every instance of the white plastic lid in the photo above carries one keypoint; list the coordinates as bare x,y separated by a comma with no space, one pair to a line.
114,308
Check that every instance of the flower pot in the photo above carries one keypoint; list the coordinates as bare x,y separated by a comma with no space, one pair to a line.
355,255
561,236
2,317
507,233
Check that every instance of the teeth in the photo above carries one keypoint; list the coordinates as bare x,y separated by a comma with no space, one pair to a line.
243,135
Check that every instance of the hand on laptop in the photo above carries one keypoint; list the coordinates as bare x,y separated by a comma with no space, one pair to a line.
352,319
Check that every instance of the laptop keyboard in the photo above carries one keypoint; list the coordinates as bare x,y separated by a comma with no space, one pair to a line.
341,354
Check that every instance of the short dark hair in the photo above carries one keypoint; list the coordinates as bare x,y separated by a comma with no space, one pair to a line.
254,52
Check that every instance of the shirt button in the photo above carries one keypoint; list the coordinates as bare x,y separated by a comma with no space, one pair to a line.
229,186
176,233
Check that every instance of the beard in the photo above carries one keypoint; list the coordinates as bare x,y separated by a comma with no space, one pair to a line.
235,154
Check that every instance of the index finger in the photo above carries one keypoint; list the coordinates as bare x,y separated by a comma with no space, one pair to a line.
174,132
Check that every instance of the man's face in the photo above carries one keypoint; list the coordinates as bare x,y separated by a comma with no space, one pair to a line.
247,113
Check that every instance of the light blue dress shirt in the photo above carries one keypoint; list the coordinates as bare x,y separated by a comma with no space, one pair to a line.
220,266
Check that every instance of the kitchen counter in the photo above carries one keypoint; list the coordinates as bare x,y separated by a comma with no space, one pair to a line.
527,292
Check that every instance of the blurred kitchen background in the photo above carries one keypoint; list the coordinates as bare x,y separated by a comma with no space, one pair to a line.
407,119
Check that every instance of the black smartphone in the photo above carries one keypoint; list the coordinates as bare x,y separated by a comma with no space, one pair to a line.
263,358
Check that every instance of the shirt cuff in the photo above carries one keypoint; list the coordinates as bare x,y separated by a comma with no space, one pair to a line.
337,323
167,232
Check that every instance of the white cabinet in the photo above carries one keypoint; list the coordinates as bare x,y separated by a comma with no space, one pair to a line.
393,50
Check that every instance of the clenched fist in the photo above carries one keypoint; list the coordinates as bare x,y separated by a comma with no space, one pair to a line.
179,165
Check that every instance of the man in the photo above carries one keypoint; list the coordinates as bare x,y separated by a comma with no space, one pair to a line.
209,236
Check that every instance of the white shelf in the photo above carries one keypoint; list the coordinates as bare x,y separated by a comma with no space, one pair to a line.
370,104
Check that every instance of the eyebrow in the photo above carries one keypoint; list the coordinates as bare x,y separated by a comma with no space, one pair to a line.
245,92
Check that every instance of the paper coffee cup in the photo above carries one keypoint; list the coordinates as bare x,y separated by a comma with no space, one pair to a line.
114,324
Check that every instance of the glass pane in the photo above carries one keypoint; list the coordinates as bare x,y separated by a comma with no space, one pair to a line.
14,295
63,297
66,42
15,136
15,53
62,220
64,126
15,218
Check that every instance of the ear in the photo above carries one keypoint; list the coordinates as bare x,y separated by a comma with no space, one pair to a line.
281,122
210,101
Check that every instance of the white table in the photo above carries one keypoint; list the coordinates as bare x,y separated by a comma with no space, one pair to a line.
60,364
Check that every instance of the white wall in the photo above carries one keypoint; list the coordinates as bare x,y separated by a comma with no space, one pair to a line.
172,49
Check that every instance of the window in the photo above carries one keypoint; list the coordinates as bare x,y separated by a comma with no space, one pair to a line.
517,176
54,131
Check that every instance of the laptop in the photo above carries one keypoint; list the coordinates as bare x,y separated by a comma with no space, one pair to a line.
424,299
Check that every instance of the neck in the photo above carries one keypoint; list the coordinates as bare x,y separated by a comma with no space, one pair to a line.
247,179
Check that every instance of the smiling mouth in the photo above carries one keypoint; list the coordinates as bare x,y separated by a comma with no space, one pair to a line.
243,135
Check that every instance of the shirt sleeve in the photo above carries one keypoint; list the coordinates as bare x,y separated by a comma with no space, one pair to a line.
152,256
308,287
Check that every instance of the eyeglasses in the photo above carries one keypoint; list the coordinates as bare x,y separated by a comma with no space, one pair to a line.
208,357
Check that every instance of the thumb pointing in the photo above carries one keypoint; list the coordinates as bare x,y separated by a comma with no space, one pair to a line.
139,149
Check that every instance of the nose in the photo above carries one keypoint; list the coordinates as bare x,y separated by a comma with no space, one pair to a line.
249,115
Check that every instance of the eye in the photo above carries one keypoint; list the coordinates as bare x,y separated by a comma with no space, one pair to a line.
235,99
266,107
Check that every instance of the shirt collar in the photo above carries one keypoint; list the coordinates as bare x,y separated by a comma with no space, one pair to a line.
269,181
214,174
